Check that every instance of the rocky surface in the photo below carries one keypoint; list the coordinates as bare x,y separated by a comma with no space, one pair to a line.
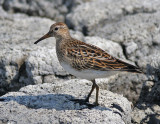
126,29
52,103
44,8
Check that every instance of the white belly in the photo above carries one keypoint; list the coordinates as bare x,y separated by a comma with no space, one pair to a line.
87,74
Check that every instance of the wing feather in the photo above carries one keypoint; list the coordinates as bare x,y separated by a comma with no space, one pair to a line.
85,56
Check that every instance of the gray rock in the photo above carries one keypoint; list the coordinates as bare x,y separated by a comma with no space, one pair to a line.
147,110
153,66
146,114
52,103
150,92
128,84
45,8
18,35
93,15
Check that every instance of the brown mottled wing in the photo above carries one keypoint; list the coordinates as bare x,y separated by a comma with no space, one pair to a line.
84,56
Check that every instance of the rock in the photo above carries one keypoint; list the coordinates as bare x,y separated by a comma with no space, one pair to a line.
149,85
131,47
146,114
148,107
128,84
150,93
51,9
49,78
52,103
153,66
16,48
45,8
93,15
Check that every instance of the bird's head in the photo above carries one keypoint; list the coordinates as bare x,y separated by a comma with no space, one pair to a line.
57,30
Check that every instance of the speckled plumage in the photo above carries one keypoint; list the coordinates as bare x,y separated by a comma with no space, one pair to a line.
84,60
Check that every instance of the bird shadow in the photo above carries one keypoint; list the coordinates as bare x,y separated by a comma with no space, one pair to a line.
51,101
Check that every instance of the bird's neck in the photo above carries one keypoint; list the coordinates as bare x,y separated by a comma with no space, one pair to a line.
61,42
61,45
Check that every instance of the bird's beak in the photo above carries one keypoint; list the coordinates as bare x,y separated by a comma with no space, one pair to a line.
44,37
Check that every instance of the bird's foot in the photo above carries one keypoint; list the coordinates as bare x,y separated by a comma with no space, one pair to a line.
96,103
84,102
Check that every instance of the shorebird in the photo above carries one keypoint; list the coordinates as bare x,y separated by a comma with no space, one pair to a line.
85,60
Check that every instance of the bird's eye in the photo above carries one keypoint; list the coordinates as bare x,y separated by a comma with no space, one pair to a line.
56,29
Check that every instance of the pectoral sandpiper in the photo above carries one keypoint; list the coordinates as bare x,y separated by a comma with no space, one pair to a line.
85,60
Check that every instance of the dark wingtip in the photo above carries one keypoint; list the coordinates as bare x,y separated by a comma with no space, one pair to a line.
138,70
131,68
134,69
141,71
